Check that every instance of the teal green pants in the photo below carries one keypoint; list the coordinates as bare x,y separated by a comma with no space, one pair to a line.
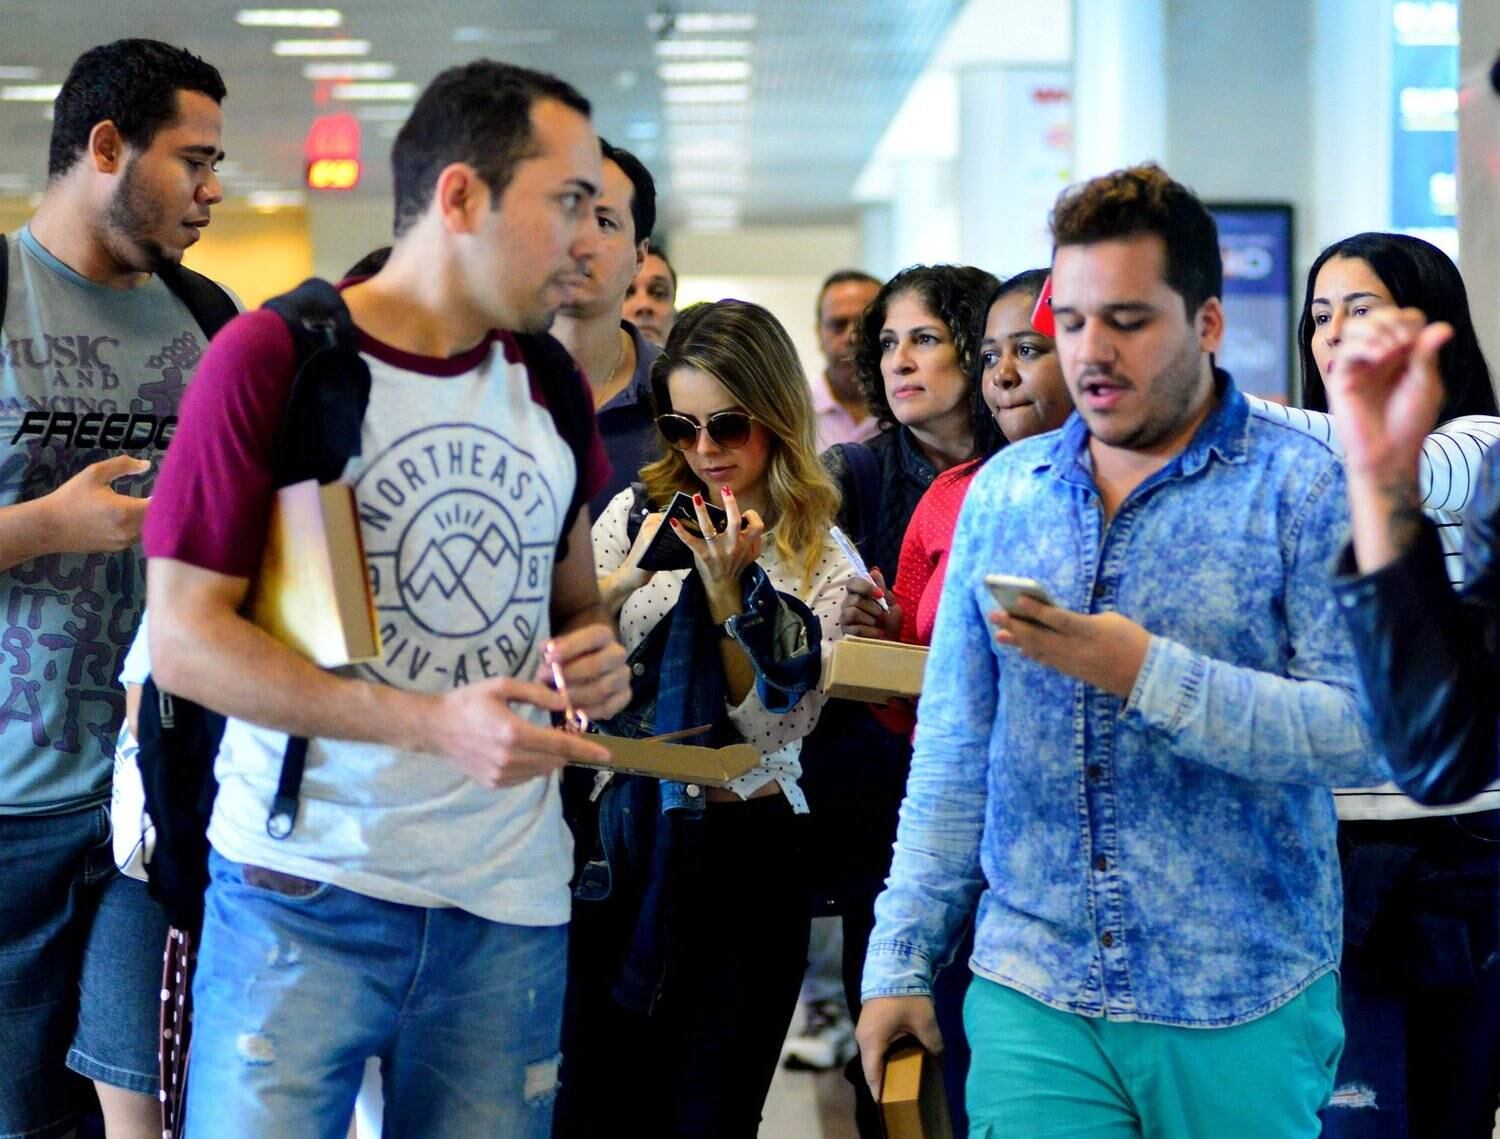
1037,1073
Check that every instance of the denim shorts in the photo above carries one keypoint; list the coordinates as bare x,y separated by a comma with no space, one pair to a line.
80,971
300,982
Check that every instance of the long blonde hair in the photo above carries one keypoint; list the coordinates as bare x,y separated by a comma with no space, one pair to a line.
744,347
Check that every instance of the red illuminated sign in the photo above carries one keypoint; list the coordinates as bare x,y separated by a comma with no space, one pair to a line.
333,153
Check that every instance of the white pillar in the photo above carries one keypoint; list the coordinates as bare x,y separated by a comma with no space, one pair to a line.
1119,84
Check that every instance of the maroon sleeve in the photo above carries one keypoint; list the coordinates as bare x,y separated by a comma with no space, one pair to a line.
213,496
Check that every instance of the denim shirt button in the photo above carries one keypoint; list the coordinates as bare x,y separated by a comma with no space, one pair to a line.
638,669
1101,864
1108,941
693,790
1095,773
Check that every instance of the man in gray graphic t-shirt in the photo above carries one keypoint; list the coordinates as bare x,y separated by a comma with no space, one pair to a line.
101,330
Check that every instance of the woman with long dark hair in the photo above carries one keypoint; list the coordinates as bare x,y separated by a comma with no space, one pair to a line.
1421,987
692,905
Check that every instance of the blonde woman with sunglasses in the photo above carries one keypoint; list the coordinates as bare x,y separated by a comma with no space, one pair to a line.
692,907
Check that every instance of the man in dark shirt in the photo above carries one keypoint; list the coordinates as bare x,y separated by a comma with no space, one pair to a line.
611,351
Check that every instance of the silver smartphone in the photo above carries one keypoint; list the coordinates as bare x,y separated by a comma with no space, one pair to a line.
1005,589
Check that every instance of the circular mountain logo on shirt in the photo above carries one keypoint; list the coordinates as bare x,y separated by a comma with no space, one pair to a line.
460,527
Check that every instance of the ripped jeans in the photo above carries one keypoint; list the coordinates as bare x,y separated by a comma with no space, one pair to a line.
298,982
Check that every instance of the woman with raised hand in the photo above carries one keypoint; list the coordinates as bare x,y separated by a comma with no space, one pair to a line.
692,905
1421,987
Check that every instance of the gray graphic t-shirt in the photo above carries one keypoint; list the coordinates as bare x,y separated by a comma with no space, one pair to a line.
86,372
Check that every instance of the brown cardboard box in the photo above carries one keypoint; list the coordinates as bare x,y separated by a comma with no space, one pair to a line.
709,766
312,592
912,1100
862,668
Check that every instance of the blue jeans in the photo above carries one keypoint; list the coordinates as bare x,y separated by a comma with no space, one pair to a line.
80,968
1421,979
298,982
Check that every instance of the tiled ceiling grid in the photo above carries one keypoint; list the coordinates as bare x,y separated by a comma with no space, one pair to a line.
825,79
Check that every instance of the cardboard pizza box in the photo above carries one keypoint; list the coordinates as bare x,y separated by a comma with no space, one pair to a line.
862,668
686,763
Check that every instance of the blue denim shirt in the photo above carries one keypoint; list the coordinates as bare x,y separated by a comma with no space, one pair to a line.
1170,857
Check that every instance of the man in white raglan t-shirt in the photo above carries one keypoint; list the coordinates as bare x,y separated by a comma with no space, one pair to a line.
417,911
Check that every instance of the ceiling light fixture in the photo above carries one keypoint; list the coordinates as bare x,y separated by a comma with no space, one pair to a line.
703,49
268,201
289,18
383,92
384,114
21,74
30,93
320,47
713,23
705,71
349,71
706,93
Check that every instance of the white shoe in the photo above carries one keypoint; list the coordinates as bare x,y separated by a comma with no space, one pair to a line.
826,1040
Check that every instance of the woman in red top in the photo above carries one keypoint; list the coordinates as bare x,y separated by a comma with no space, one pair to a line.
1023,387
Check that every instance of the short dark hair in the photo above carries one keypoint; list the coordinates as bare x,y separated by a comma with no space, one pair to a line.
1146,200
842,277
1420,275
131,83
959,296
479,114
657,251
642,189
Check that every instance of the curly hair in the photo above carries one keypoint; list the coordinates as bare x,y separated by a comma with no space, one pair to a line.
957,295
1145,200
747,350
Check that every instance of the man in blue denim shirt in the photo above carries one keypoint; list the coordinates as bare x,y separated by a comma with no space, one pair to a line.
1133,786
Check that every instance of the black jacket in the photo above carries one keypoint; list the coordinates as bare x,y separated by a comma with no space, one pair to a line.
1430,657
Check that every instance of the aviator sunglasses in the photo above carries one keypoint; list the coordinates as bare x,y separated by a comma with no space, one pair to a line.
726,428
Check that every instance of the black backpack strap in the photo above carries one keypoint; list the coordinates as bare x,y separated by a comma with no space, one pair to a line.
563,388
209,304
325,411
320,433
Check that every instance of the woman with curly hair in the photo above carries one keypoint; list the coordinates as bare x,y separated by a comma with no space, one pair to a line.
916,354
690,926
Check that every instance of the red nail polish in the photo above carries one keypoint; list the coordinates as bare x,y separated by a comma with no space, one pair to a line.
676,525
726,492
697,500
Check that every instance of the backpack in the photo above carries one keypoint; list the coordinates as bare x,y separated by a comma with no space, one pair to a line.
319,434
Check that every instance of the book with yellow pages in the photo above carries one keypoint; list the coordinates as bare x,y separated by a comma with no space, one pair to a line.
912,1100
313,589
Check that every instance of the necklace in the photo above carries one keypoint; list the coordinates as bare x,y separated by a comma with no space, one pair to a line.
608,390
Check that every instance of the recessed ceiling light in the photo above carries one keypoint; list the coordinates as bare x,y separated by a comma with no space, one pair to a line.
507,37
321,47
642,129
627,79
703,49
712,23
696,180
402,92
289,17
350,70
707,93
30,93
20,73
705,71
384,114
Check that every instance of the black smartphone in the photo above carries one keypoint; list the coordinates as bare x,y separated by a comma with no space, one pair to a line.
666,551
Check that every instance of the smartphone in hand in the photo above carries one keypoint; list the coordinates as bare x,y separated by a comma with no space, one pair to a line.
1005,590
667,551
